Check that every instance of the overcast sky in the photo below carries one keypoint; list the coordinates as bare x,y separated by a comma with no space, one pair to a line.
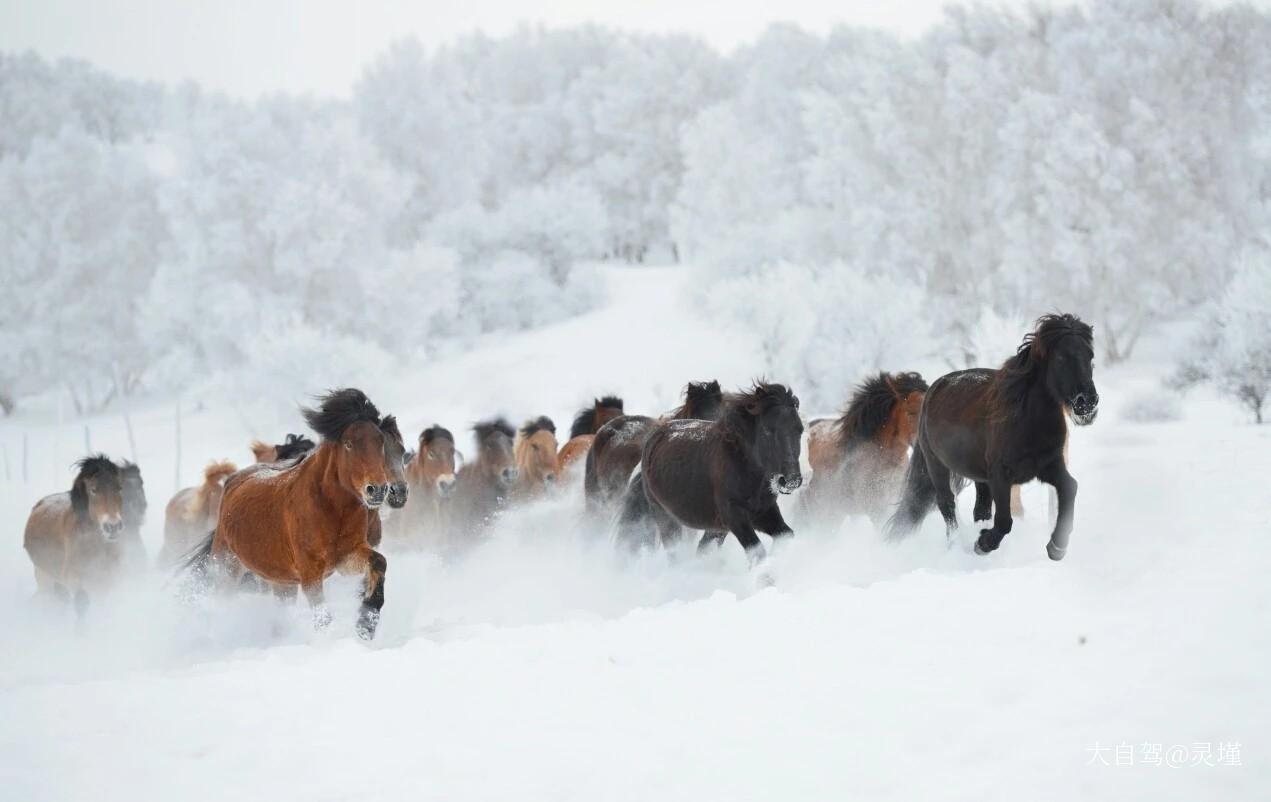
248,47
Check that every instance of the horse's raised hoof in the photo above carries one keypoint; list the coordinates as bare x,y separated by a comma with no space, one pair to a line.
982,545
321,617
367,622
1055,552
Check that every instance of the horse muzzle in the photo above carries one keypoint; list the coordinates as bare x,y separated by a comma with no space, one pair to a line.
373,495
787,483
111,530
446,486
1085,408
508,477
397,493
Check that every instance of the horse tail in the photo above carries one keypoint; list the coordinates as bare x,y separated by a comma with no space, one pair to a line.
591,478
917,499
635,517
197,559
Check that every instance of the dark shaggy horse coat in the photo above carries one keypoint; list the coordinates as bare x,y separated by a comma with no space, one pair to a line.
1004,427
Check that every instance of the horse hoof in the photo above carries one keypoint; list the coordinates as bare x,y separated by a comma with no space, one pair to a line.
321,618
1054,552
981,545
367,623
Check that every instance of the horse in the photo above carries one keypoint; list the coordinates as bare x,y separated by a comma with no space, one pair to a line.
482,486
191,512
723,475
134,514
295,524
430,476
293,446
615,450
74,538
1004,427
859,459
586,423
534,451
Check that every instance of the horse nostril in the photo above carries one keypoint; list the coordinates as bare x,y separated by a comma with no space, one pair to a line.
551,477
370,490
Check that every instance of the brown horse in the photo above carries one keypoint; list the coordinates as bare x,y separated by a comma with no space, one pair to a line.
536,461
1004,427
74,538
859,459
586,423
482,486
615,451
430,476
134,512
191,513
295,524
293,446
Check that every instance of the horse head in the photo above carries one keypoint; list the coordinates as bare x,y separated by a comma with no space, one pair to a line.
97,496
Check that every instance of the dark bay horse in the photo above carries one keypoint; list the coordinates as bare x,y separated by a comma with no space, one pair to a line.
482,486
191,512
859,459
1004,427
615,451
294,524
586,423
537,465
431,478
74,539
293,446
134,512
724,475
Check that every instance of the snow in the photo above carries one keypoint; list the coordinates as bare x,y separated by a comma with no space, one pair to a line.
547,665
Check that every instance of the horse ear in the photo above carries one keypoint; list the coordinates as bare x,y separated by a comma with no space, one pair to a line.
79,498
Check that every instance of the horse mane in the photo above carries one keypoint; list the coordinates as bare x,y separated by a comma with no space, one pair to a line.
872,404
539,424
389,427
91,467
134,500
1019,372
433,432
585,420
294,446
338,410
763,394
493,426
696,396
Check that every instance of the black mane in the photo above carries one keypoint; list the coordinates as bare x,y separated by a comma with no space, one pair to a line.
389,427
433,432
872,404
763,395
134,494
585,420
338,410
494,426
541,423
702,400
294,446
94,466
1019,372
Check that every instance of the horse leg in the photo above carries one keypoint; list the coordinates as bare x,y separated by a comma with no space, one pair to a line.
1056,474
711,539
372,565
991,538
740,526
946,502
983,502
317,603
769,521
283,593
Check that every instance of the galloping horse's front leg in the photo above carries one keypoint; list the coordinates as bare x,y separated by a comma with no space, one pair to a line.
711,538
372,565
739,524
317,603
1056,473
983,502
990,539
770,522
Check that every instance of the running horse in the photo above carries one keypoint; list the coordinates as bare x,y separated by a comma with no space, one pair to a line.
1004,427
191,512
534,451
431,479
74,539
294,525
615,451
586,423
134,512
482,486
859,459
721,476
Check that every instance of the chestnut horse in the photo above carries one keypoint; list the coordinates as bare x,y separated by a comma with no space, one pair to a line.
586,423
482,486
74,538
295,524
859,459
1004,427
721,476
295,445
536,461
615,451
191,513
431,478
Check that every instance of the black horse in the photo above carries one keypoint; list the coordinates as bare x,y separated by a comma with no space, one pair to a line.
616,451
1004,427
724,475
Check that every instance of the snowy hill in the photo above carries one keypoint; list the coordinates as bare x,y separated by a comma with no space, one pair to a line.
542,666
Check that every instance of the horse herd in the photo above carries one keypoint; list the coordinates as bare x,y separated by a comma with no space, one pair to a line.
717,463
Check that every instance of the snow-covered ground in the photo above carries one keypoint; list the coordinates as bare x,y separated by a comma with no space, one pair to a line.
543,666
